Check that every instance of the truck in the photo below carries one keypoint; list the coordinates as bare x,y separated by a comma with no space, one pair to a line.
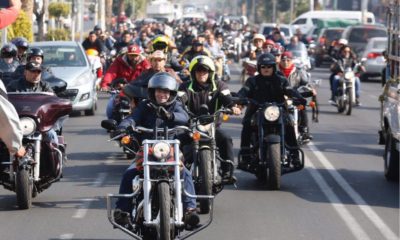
163,10
389,133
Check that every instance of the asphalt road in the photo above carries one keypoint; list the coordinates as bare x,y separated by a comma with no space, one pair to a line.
341,193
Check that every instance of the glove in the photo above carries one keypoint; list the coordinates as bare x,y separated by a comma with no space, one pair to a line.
164,114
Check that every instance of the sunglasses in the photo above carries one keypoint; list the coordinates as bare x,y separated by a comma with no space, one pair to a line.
266,66
286,60
35,71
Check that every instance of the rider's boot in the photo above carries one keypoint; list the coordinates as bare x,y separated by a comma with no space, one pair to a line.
305,133
191,218
122,218
245,159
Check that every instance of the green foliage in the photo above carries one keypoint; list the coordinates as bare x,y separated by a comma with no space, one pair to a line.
58,9
58,34
22,27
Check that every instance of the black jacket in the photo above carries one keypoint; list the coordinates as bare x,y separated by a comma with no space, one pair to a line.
21,85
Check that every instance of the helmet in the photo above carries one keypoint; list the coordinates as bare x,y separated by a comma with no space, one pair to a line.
134,50
164,81
35,52
268,42
20,42
8,51
96,28
92,52
266,59
202,61
160,42
343,41
258,36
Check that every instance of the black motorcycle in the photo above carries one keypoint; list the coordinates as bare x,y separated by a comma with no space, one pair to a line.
270,154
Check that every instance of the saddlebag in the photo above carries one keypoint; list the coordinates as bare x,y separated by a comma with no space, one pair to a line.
50,163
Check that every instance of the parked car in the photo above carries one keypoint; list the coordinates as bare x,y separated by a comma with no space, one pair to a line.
324,41
358,36
266,30
68,61
374,59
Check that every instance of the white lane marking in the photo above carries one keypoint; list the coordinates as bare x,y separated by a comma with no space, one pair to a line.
365,208
83,208
66,236
340,208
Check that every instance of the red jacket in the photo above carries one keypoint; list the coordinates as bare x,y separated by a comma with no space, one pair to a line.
121,69
8,16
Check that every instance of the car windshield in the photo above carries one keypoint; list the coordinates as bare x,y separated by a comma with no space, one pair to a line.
63,56
362,35
379,44
333,34
268,30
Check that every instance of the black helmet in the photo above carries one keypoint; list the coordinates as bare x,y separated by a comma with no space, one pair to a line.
8,51
20,42
266,59
35,52
96,28
164,81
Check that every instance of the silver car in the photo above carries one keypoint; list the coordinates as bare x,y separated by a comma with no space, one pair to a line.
374,62
68,61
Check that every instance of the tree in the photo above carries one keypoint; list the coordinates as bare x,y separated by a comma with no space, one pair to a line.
27,6
22,27
109,13
39,10
59,10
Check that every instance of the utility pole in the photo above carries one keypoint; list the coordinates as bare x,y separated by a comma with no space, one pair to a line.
102,10
364,6
274,11
291,10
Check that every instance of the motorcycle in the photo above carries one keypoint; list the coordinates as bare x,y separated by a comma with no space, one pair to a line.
205,168
158,210
43,162
270,155
249,69
346,91
122,103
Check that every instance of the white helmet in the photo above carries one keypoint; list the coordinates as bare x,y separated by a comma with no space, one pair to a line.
343,41
259,36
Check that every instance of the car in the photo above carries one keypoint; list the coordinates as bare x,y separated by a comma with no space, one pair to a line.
267,28
68,61
324,41
374,61
300,55
358,36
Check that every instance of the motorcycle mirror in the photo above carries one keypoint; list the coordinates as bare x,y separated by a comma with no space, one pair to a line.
203,109
109,124
57,84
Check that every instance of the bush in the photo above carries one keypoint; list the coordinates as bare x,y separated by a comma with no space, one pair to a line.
22,27
58,34
58,10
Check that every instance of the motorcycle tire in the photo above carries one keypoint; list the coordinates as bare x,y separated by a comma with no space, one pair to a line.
273,155
165,231
391,159
23,189
205,173
349,101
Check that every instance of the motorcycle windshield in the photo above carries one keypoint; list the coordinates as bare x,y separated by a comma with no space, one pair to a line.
44,106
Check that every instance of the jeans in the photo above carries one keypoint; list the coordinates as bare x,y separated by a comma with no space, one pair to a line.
225,144
335,85
51,136
110,106
125,204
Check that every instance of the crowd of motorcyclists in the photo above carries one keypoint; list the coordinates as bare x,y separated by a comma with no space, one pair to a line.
171,73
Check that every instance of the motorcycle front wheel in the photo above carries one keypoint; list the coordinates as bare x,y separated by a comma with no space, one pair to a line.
23,189
273,155
349,100
205,173
164,202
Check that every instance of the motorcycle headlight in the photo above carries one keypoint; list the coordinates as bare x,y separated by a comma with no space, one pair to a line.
349,75
204,128
28,126
161,150
271,113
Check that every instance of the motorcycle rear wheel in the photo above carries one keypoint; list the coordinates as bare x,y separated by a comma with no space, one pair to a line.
164,202
273,155
23,189
205,173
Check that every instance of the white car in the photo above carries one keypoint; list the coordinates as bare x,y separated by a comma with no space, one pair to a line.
68,61
286,30
374,60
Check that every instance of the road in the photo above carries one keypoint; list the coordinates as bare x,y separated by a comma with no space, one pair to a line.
341,193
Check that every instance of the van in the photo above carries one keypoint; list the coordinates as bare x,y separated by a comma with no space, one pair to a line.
309,19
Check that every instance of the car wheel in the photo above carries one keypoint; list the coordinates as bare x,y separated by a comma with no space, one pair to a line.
92,110
391,159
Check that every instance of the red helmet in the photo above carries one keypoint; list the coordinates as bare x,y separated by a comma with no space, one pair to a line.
268,42
133,50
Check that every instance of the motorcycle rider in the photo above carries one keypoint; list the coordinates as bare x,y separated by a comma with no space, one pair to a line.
126,40
197,49
345,60
256,49
11,131
128,66
34,55
8,62
93,42
267,86
203,89
22,45
32,82
165,44
297,77
162,94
